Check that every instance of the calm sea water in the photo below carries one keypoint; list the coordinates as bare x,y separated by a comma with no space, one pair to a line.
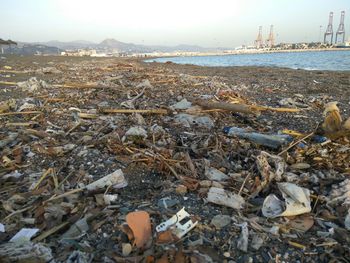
315,60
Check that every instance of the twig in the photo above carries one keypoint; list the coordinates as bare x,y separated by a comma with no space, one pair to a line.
64,195
191,165
20,113
245,180
297,142
150,111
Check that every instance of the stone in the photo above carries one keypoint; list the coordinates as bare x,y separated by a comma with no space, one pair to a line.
220,221
182,105
215,175
86,138
136,131
181,189
126,249
216,184
188,120
167,202
300,166
205,183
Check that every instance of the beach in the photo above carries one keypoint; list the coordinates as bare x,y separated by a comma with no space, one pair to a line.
85,118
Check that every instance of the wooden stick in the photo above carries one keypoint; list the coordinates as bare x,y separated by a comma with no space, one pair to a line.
78,86
265,108
47,172
295,143
226,106
149,111
50,232
20,124
191,165
20,113
8,83
64,194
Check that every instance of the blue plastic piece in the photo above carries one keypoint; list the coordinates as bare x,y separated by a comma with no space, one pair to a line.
319,139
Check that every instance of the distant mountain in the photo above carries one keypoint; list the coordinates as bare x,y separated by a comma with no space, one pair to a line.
68,45
113,45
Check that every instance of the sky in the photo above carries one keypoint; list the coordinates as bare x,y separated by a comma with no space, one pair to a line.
218,23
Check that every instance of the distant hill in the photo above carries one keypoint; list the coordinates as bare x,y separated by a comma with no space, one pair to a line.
78,44
110,44
31,49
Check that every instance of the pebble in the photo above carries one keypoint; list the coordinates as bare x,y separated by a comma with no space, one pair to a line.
217,184
167,202
220,221
181,189
86,138
300,166
205,183
126,249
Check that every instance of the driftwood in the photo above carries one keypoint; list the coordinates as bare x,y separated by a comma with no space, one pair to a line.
243,108
238,107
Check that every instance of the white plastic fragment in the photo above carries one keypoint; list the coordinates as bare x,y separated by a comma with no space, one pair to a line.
221,197
24,235
296,201
2,228
25,252
32,85
174,222
13,175
109,199
272,207
347,221
115,179
242,242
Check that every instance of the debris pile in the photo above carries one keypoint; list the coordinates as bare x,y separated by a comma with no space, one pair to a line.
113,161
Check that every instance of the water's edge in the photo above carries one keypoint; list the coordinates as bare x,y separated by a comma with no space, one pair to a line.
337,60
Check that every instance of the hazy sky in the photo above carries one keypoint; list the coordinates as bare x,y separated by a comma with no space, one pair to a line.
225,23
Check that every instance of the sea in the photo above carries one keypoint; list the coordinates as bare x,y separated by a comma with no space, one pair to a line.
308,60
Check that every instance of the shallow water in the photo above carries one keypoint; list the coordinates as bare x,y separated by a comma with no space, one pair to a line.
309,60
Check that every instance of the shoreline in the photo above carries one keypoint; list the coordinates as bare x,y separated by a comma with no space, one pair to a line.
246,52
163,60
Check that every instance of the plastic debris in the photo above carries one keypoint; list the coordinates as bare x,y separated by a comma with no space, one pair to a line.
78,229
115,179
271,141
178,228
33,85
25,252
24,235
221,197
242,242
297,201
